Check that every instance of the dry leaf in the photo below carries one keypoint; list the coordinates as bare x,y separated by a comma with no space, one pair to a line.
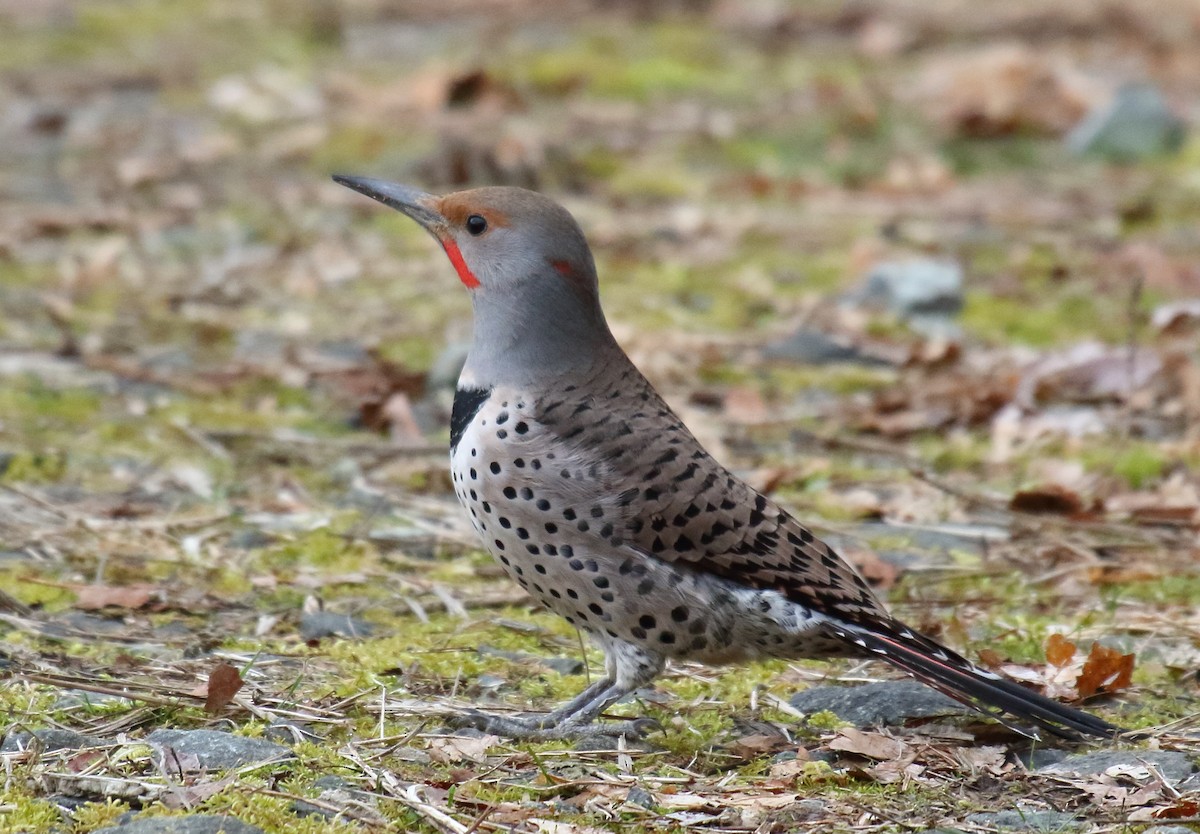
459,748
879,574
790,769
1106,670
192,795
95,597
223,683
1059,650
1183,808
1049,498
751,746
991,658
871,745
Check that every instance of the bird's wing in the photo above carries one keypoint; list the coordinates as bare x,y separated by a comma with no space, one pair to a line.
645,482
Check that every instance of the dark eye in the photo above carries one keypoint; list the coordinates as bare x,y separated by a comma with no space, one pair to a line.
476,224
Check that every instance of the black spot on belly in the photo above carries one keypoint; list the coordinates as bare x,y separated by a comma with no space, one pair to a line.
467,402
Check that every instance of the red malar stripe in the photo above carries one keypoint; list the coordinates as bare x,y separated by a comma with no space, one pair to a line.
464,272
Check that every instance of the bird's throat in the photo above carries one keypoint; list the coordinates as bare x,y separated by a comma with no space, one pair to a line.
460,266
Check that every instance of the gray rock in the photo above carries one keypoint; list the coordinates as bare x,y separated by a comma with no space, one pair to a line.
443,374
1137,123
885,703
287,731
248,539
320,624
51,739
189,824
410,754
640,797
215,749
1042,757
915,289
562,665
1174,766
811,347
1018,820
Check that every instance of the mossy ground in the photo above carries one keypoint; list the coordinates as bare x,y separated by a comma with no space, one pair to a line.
197,326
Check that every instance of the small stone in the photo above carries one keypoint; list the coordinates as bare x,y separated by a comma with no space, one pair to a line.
286,731
51,739
642,798
885,703
1137,124
490,683
320,624
248,539
184,824
563,665
1041,757
1020,820
811,347
411,754
1174,766
918,288
218,750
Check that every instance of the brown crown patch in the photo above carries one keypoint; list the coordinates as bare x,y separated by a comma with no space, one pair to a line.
456,208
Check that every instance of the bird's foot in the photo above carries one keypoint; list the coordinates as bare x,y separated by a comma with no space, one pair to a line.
538,729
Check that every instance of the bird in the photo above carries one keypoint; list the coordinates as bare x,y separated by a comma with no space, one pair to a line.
595,498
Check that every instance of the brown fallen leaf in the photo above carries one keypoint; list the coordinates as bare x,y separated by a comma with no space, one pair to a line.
1182,809
95,597
1051,499
871,745
1059,650
223,683
190,796
752,746
1106,670
879,574
448,749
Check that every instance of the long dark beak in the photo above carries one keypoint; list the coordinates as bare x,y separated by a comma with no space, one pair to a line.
403,198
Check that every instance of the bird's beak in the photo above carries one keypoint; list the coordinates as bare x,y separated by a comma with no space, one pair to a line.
405,199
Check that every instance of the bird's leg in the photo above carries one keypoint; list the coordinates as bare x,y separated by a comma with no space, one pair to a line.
574,705
572,720
626,672
517,727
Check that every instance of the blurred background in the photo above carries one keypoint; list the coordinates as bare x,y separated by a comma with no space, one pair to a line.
970,234
911,218
926,270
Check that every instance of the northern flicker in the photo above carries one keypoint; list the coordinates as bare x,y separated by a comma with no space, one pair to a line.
596,499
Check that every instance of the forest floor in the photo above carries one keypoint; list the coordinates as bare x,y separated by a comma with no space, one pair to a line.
233,577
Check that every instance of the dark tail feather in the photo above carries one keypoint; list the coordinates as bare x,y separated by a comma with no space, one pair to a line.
955,676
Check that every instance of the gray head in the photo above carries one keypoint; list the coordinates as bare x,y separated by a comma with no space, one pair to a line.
530,273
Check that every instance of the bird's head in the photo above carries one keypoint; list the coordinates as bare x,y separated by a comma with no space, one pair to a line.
524,259
495,236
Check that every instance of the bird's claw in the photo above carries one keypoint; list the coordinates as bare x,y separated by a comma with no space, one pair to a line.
532,729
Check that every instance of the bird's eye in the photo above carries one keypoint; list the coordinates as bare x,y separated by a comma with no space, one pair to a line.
476,224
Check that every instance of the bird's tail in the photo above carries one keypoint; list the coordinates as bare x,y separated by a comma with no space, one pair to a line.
955,676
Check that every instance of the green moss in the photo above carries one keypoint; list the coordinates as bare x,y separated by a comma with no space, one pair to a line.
644,64
96,815
971,157
825,720
1167,590
35,467
1137,463
1070,316
23,812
